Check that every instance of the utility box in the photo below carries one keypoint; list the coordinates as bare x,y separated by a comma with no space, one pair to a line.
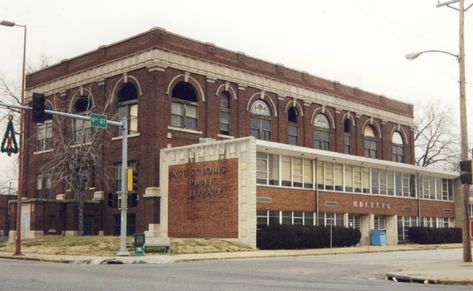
378,237
139,244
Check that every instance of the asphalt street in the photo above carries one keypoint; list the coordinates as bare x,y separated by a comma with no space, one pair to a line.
328,272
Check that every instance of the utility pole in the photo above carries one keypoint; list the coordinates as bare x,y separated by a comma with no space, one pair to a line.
463,123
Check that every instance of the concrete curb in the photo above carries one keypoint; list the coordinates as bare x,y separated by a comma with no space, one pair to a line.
400,277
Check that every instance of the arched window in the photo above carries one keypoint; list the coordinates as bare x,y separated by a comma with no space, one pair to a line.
347,136
82,131
370,142
260,120
398,147
184,106
292,117
225,113
321,132
128,106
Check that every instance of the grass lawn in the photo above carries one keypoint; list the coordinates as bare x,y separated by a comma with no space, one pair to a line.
109,245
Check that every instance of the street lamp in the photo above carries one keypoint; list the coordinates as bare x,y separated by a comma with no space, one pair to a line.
463,122
414,55
21,141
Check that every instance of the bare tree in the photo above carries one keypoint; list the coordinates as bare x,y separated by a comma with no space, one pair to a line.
77,147
436,139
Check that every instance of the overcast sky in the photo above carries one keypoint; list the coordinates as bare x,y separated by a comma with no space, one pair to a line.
361,43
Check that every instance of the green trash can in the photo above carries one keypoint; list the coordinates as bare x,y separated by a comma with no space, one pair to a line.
139,244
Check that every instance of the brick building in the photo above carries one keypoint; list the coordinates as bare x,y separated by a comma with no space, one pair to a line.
4,215
322,152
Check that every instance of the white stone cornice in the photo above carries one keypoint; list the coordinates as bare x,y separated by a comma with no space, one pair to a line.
163,59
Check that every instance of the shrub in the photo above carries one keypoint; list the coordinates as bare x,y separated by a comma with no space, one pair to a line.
426,235
303,237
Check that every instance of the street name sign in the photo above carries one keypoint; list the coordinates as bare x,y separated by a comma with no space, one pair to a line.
98,120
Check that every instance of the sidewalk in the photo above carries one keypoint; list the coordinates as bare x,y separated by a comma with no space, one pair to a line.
454,272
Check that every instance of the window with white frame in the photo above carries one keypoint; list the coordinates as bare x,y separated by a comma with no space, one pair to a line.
292,126
82,130
309,218
354,221
260,123
308,174
288,171
297,172
366,180
397,147
347,136
328,175
375,180
262,218
43,186
44,135
286,217
127,98
184,106
261,168
357,186
273,217
321,132
445,189
330,219
403,223
379,222
390,182
338,177
370,142
225,112
348,178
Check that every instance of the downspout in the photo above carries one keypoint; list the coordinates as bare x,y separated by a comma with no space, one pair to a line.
418,188
316,194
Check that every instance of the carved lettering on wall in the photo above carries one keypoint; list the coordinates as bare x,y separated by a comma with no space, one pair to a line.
365,204
202,182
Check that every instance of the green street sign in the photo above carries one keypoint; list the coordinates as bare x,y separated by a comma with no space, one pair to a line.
98,120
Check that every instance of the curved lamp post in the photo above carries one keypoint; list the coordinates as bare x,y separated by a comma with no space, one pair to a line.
414,55
21,141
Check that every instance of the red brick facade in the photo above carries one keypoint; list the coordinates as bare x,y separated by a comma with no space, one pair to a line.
203,199
306,200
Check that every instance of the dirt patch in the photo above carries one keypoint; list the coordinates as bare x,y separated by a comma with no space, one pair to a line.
108,246
195,246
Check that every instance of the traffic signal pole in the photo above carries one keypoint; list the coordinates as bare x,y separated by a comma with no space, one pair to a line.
123,125
123,215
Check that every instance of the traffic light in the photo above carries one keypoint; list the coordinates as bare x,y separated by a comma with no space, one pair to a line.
132,180
38,114
466,175
132,199
112,200
132,187
135,180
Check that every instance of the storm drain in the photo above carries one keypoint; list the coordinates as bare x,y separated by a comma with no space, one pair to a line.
407,279
111,262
